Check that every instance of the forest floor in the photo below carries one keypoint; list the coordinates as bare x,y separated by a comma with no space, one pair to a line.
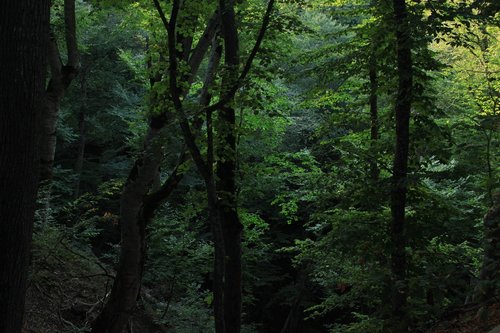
66,292
68,285
70,306
471,320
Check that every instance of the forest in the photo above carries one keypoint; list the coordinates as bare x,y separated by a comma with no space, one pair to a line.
249,166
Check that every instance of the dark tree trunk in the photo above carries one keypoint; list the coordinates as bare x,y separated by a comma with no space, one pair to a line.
137,208
60,79
81,138
226,174
374,126
400,168
23,39
126,286
489,277
232,231
213,203
221,193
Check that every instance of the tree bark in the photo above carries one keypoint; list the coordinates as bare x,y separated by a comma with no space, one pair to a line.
489,276
226,173
126,286
400,168
60,79
81,138
374,125
23,39
137,208
212,199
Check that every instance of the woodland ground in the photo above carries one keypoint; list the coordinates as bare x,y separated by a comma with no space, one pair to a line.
65,295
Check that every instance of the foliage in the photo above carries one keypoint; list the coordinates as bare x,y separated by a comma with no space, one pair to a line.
316,222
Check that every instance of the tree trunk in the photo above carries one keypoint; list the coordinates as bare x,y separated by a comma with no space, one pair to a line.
489,277
212,199
81,139
400,168
23,39
61,77
137,208
127,283
222,194
226,174
374,126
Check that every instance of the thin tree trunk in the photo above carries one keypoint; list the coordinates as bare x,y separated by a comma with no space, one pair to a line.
222,211
60,79
226,173
491,179
81,138
400,168
489,276
484,45
212,199
23,40
205,168
374,125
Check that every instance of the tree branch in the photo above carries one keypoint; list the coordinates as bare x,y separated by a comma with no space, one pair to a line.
198,53
175,94
248,64
162,14
153,200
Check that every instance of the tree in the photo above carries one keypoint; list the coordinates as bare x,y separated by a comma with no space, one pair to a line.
220,185
489,284
400,166
139,201
61,76
23,38
282,220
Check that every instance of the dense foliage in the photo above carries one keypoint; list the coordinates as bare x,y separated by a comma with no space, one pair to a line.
313,181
